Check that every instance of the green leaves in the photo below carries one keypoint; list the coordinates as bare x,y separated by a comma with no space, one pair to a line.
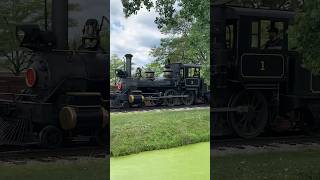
133,6
12,57
308,34
186,23
155,66
115,63
16,12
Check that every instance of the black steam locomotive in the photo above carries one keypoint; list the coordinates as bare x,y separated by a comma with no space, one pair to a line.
66,88
258,86
180,84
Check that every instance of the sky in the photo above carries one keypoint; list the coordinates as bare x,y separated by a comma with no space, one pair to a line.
135,35
89,9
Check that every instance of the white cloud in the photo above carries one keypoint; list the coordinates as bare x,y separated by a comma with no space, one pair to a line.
135,35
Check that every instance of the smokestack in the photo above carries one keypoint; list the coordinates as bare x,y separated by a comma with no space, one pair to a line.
60,23
128,64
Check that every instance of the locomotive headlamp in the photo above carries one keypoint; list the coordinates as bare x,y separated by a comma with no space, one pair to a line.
27,33
31,77
31,37
119,86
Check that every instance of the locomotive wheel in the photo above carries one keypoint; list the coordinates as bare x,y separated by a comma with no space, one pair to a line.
51,137
101,137
188,100
158,102
251,123
171,101
126,105
308,124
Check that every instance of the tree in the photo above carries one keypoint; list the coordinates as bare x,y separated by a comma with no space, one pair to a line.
308,34
115,63
155,66
186,23
16,12
280,4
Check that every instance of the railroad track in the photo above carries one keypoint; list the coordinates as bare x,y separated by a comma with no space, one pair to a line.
24,154
144,109
264,144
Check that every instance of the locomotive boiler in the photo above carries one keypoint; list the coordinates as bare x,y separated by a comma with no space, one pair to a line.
180,84
66,89
258,87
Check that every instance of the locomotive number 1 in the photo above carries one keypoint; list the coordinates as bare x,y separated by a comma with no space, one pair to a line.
262,63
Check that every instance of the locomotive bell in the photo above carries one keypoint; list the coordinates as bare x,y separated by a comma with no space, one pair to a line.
90,38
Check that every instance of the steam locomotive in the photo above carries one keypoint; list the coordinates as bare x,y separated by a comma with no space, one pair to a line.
180,84
66,89
258,89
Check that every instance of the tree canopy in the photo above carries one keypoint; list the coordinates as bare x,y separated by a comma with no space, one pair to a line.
16,12
12,57
186,24
307,32
115,63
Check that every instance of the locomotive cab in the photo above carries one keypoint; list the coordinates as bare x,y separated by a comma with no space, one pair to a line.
190,75
250,72
258,83
251,45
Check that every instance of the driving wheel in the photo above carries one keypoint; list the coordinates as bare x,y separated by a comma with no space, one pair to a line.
102,136
251,122
171,101
51,137
189,99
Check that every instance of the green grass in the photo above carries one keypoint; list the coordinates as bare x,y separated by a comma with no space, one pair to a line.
146,131
303,165
71,170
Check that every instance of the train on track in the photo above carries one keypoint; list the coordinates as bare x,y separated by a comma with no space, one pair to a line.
66,94
181,84
258,84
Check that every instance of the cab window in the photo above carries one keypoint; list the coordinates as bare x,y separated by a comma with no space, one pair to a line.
194,72
255,35
229,36
182,73
260,32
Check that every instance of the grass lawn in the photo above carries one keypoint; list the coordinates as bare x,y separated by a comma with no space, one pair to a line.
146,131
303,165
64,170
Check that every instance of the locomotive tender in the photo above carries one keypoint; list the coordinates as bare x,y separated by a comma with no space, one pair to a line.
66,89
254,88
180,84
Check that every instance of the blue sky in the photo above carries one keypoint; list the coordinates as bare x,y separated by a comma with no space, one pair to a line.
135,35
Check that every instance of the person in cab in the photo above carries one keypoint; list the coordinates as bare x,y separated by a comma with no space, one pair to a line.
274,42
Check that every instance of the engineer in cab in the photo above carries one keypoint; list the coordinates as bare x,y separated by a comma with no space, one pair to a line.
274,42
